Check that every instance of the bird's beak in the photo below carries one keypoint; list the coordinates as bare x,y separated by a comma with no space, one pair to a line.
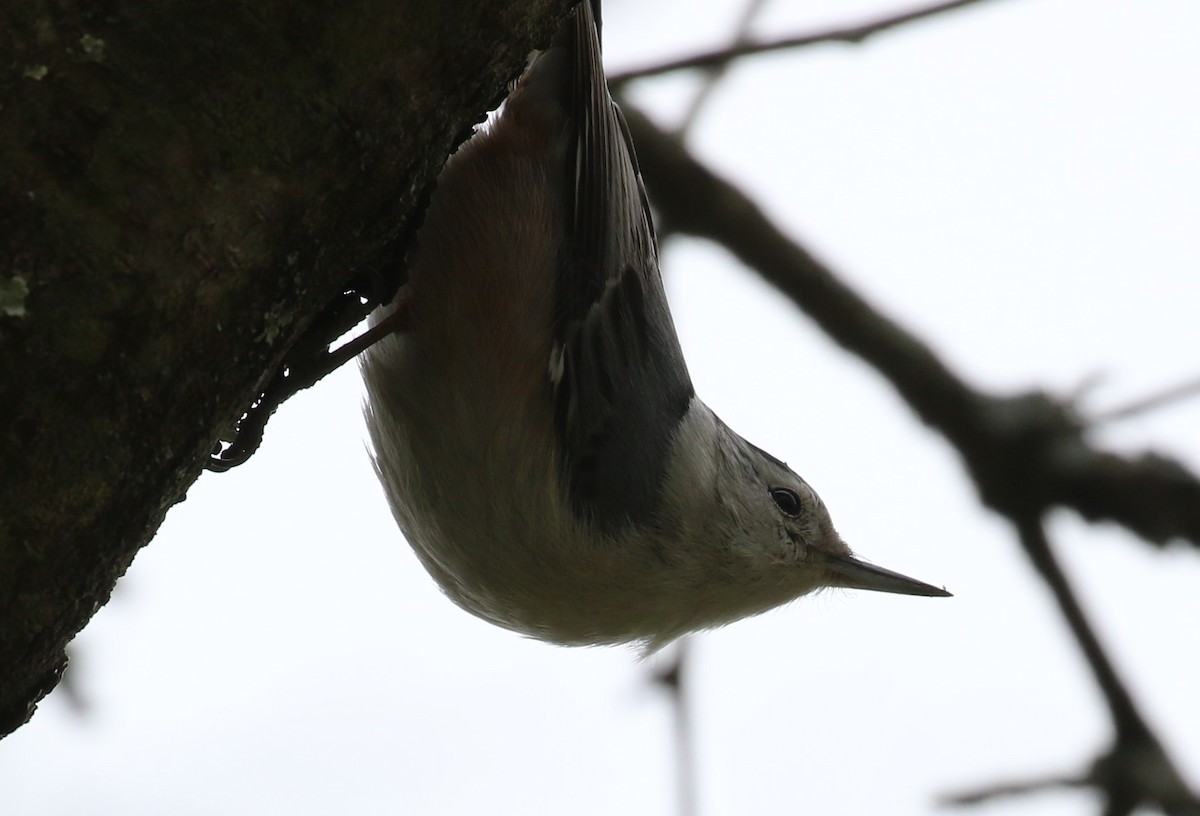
850,573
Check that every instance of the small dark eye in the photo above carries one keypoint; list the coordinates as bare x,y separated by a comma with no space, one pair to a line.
786,500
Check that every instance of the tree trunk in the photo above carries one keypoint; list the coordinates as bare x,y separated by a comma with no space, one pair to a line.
184,187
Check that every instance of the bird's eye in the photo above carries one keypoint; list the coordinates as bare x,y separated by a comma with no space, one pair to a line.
786,500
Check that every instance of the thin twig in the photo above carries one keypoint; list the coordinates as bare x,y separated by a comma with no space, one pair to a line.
716,73
674,679
1010,789
851,35
1150,403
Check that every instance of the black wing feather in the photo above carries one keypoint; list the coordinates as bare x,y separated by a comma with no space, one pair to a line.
623,385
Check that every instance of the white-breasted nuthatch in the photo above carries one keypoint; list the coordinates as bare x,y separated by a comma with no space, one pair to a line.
534,424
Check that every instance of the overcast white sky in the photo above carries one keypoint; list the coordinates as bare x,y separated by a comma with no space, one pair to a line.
1018,183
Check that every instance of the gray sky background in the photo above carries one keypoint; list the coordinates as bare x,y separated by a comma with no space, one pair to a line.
1018,184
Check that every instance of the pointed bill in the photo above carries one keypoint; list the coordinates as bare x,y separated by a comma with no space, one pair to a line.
850,573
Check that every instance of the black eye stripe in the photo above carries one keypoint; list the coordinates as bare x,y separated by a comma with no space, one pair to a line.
786,500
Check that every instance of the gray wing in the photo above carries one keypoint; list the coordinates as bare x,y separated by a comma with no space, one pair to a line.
620,382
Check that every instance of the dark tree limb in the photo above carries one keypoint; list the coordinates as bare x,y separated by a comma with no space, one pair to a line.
1027,453
1024,451
185,188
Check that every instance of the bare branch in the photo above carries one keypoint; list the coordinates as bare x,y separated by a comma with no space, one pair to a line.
1130,725
852,35
1126,777
1137,769
1005,790
717,72
673,677
1025,452
1152,402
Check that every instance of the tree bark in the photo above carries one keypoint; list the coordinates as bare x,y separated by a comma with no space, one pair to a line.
184,187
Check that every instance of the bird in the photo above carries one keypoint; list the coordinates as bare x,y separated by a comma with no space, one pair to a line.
531,417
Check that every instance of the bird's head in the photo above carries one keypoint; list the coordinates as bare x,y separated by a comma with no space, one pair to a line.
787,524
753,532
